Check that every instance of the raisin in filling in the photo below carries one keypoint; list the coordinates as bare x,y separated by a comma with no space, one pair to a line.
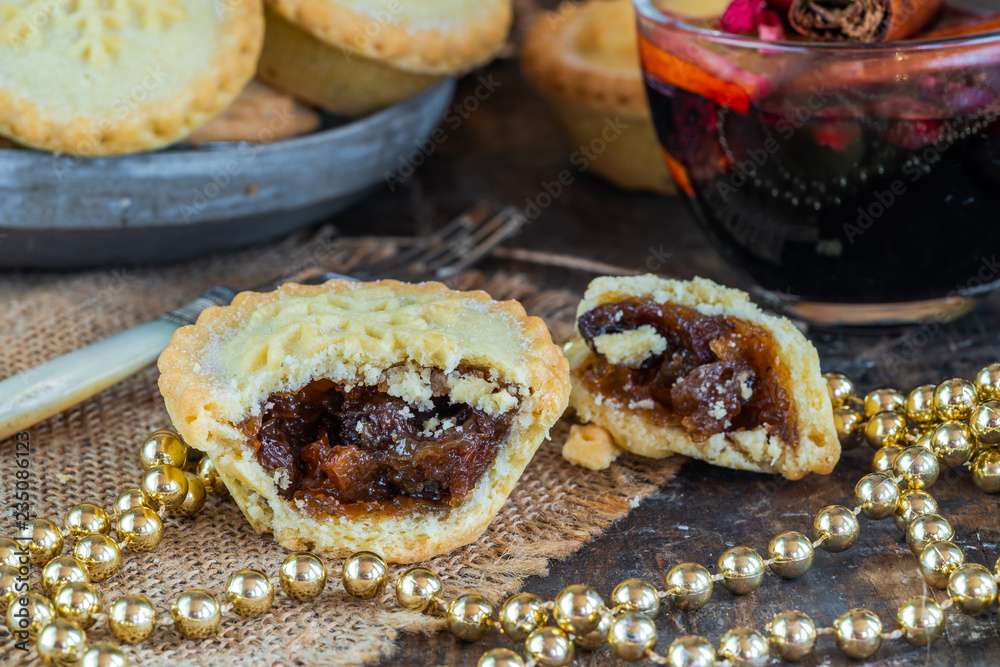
344,451
716,374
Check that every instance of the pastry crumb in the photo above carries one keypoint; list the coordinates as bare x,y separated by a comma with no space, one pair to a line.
590,446
63,478
632,347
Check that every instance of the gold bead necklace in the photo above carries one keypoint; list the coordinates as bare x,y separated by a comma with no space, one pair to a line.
955,423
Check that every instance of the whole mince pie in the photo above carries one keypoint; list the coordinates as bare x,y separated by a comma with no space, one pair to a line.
383,416
694,368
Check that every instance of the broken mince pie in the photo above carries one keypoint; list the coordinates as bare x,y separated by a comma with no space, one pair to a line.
381,416
694,368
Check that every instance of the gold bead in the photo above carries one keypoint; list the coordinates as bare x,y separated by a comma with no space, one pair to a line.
196,613
689,586
987,382
636,595
139,529
549,647
132,618
62,570
521,615
250,592
42,539
61,643
858,633
500,657
955,399
917,466
837,526
577,609
86,519
911,505
78,602
841,389
28,613
850,427
744,647
164,486
103,655
129,499
792,635
972,588
690,651
211,478
877,495
11,585
921,620
194,499
938,560
883,400
742,570
986,470
418,589
99,554
884,458
920,405
303,576
985,422
952,443
163,448
885,429
11,553
792,553
597,637
631,636
365,575
925,529
469,617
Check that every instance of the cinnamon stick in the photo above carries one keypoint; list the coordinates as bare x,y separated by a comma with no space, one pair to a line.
862,20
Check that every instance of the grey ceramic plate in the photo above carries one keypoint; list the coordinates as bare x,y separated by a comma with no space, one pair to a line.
65,212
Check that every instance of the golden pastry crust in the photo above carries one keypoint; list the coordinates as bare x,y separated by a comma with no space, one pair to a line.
424,36
295,61
124,90
586,53
261,115
218,372
798,370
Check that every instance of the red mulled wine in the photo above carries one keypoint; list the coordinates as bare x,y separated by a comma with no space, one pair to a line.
816,202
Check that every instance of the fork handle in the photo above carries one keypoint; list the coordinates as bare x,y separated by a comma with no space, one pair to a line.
38,393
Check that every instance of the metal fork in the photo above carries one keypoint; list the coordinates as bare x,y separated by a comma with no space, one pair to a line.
58,384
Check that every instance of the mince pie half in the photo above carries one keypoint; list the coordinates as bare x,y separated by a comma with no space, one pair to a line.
694,368
381,416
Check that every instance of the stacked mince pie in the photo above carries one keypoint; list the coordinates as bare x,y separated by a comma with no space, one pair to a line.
110,78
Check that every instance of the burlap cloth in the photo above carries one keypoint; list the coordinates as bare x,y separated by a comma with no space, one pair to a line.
90,454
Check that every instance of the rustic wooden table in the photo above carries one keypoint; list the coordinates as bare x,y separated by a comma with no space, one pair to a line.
506,150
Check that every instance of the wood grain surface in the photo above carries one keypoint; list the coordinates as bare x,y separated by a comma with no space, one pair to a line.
507,149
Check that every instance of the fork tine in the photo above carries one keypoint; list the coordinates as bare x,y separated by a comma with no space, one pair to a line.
457,257
459,228
441,254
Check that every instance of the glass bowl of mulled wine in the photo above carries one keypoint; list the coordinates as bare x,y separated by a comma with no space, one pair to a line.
851,183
